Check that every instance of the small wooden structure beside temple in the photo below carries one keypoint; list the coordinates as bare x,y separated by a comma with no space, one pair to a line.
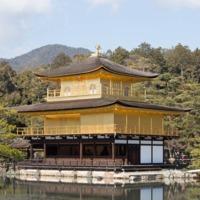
97,115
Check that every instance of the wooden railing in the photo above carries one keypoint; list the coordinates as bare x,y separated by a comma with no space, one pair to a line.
68,163
98,91
94,129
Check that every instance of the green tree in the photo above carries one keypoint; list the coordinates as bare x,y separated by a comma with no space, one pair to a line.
138,62
30,88
147,58
144,50
4,117
196,72
119,56
195,154
61,60
8,87
79,57
7,136
180,59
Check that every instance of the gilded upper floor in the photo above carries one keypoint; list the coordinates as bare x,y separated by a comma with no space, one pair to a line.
96,77
99,116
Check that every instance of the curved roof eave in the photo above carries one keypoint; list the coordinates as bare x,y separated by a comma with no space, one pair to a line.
93,64
95,103
148,106
95,70
139,76
72,74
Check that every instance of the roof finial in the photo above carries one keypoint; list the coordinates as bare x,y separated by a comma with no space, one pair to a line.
98,48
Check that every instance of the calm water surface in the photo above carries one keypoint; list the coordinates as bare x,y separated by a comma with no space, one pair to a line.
15,189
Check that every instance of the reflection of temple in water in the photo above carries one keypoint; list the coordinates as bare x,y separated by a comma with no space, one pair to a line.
16,189
141,191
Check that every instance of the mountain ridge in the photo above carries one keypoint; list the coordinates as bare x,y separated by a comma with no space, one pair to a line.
43,55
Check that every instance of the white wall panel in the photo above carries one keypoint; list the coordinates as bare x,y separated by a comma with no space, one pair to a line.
157,154
145,154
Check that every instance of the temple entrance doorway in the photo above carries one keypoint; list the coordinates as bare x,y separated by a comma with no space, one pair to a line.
133,154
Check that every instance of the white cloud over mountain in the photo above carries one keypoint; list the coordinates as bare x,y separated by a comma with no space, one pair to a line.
15,17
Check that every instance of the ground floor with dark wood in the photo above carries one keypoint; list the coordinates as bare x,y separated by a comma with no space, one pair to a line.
96,150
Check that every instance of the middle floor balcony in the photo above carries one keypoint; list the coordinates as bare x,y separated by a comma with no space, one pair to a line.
94,130
95,91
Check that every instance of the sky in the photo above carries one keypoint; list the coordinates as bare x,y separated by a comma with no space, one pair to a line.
29,24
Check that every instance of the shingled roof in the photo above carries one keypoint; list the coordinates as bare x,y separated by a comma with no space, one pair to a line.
93,103
20,144
93,64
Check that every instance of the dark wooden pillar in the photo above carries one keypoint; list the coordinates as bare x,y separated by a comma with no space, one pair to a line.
45,150
126,159
81,150
31,152
113,150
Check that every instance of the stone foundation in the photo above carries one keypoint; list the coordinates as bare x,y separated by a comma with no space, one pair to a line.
104,177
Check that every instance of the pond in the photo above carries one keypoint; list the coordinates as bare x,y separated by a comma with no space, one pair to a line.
15,189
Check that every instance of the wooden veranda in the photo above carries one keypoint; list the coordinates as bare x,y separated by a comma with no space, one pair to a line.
116,166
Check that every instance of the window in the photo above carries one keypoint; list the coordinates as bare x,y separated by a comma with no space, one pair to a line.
93,89
105,89
67,91
120,150
51,150
69,150
103,150
88,150
116,87
126,91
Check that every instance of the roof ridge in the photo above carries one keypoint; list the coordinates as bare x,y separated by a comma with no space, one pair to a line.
92,64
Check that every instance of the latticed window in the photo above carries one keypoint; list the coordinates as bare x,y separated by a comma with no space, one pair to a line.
105,89
93,89
116,87
67,91
126,91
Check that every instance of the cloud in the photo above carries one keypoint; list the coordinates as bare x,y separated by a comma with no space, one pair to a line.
16,18
115,4
181,3
25,6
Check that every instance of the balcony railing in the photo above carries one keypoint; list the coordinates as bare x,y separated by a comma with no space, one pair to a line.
98,91
93,129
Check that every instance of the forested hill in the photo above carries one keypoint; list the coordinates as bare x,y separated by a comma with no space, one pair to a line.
44,55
